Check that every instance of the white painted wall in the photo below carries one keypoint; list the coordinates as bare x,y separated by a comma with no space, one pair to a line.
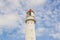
30,30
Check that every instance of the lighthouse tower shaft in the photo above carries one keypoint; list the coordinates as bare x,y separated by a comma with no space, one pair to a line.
30,26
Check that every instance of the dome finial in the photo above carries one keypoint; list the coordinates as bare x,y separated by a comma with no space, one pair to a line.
30,10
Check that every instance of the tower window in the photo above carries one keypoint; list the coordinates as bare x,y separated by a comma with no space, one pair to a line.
29,14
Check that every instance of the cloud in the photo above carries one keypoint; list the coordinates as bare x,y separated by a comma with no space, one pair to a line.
8,13
10,5
13,3
57,26
32,3
55,35
40,31
1,31
8,19
35,2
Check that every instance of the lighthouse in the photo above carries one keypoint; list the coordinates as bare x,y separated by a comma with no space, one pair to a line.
30,25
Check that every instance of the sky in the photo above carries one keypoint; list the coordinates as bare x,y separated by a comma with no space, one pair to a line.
13,13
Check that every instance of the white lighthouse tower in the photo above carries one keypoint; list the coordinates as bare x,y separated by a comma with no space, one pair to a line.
30,26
